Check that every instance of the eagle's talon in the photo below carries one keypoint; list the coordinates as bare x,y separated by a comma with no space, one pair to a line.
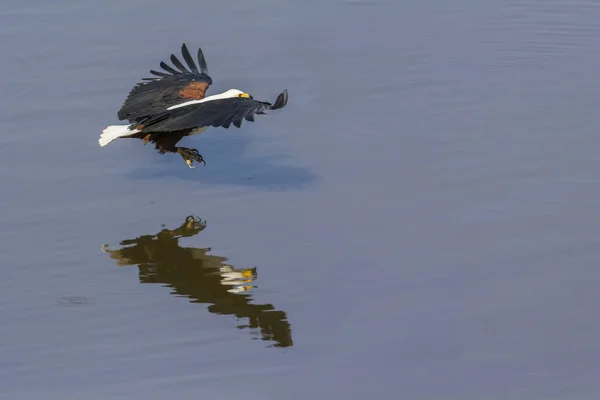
191,156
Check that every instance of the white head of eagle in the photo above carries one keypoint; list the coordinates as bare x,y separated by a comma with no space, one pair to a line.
173,104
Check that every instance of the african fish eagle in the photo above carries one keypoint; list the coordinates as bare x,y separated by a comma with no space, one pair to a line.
171,105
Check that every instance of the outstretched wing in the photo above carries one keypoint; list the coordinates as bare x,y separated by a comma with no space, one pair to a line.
168,88
222,112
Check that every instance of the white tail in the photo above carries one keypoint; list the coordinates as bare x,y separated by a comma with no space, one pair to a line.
113,132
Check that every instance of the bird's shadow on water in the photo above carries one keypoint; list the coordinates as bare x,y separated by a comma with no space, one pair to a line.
227,164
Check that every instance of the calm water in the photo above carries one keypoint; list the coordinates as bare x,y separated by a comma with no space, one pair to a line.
420,222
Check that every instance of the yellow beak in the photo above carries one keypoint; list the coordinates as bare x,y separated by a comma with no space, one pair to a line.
247,273
246,95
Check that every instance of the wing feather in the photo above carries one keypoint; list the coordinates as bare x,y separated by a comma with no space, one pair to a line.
222,112
202,62
168,68
161,74
178,64
188,58
154,95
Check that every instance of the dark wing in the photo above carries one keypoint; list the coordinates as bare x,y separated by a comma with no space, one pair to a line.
168,88
222,112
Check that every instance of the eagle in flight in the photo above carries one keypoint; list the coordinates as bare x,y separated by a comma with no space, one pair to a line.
173,104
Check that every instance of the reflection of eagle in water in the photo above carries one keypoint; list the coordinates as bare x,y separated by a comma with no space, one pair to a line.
203,278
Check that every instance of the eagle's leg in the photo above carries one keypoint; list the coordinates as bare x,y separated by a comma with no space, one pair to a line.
190,155
165,143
